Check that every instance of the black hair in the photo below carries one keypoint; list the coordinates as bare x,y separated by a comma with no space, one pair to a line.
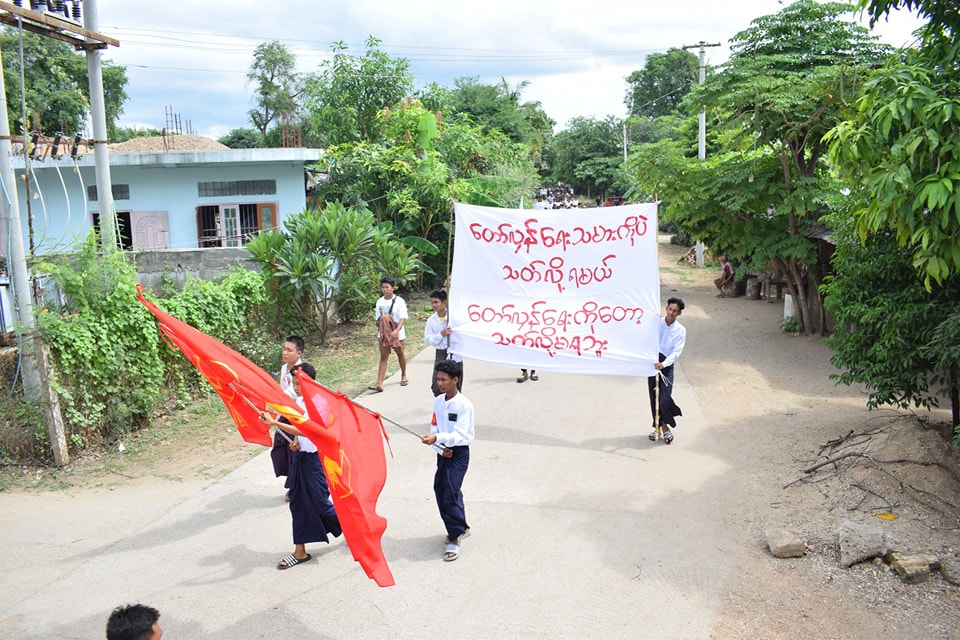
452,368
296,341
307,368
676,301
132,622
439,294
388,280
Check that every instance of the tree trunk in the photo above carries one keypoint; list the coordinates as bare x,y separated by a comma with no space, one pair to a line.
800,307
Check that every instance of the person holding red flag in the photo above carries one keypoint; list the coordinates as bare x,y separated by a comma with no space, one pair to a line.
451,434
312,511
280,454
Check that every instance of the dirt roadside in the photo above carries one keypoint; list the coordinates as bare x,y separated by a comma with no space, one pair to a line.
769,397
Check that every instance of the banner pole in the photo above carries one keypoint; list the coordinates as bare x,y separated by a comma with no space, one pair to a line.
257,409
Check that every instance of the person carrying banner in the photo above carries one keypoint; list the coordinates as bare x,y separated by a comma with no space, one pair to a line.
312,511
673,335
451,434
280,454
391,314
436,333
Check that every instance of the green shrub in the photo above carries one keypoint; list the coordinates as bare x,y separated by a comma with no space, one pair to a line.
112,368
103,343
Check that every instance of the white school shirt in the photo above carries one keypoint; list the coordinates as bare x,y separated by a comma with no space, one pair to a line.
672,339
306,444
432,337
286,379
454,421
399,312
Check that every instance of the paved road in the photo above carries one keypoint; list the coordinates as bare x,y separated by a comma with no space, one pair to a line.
582,528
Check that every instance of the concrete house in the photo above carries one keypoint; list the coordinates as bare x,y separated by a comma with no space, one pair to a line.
178,197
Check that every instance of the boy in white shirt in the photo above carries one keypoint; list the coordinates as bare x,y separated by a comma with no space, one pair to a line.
314,517
451,434
437,334
673,336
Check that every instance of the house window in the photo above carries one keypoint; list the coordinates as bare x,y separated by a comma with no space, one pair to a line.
237,188
232,225
124,235
120,192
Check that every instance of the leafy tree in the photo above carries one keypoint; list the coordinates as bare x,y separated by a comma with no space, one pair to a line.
899,339
788,81
901,145
410,176
500,107
129,133
55,83
587,153
274,73
333,256
242,138
343,101
658,88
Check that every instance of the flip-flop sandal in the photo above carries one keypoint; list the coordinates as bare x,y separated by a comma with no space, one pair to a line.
451,552
534,377
667,436
291,560
375,389
404,383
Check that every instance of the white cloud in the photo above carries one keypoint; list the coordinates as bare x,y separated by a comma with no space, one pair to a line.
193,56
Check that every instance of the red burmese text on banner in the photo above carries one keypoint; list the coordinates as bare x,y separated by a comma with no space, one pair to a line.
554,291
356,468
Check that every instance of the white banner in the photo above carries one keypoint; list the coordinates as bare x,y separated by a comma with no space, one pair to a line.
575,290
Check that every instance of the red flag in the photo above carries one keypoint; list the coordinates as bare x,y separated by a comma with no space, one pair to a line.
350,438
236,380
356,469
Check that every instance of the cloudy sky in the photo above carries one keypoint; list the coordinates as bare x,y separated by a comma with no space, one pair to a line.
191,56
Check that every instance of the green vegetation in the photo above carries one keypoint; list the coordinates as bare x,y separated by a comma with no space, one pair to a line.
56,92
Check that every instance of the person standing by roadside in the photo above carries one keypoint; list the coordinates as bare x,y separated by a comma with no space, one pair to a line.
391,314
673,336
437,334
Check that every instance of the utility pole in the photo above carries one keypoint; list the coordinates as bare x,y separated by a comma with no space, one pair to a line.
108,215
624,140
17,262
37,372
702,145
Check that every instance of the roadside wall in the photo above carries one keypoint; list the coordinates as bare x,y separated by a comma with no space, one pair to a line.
178,264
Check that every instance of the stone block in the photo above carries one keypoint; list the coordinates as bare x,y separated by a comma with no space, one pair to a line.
784,544
913,568
859,542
